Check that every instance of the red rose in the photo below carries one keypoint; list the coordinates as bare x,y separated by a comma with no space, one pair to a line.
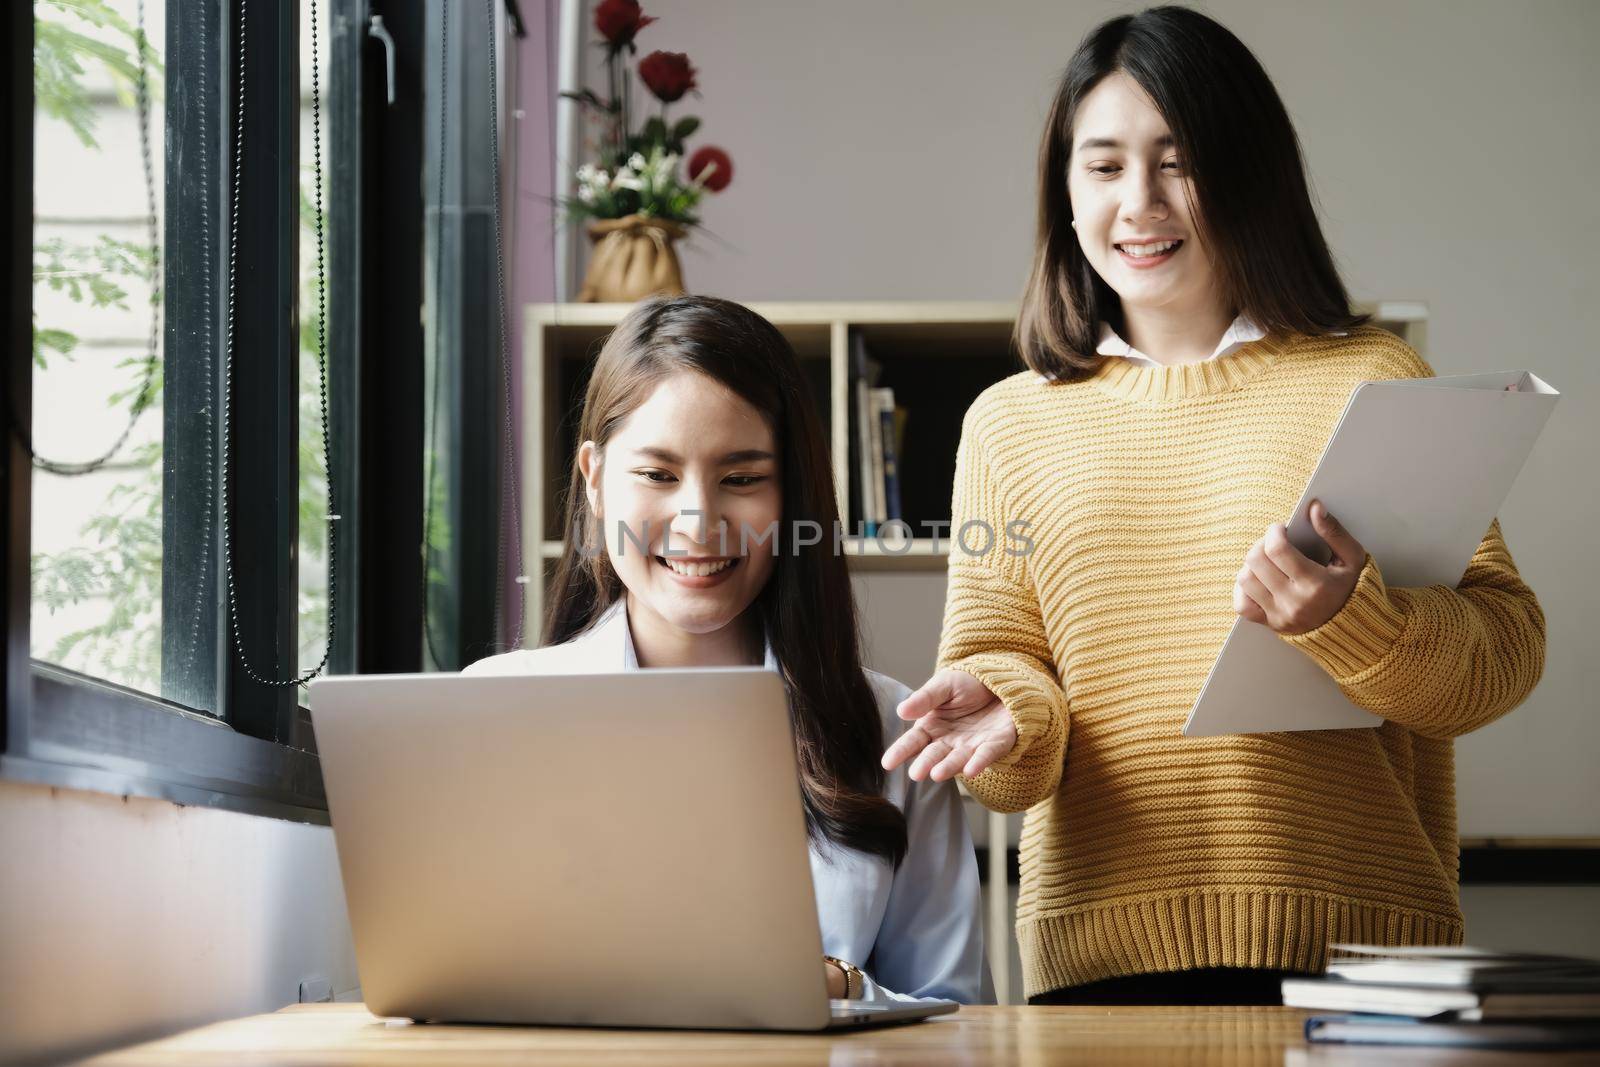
619,21
716,162
668,74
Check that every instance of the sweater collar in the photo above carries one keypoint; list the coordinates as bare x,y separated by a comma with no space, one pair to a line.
1155,384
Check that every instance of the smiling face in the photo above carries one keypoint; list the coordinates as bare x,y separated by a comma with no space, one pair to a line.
682,475
1131,204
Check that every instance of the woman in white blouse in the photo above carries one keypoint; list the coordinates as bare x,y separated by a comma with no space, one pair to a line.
703,472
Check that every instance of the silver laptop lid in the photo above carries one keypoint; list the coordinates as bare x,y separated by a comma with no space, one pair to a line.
618,849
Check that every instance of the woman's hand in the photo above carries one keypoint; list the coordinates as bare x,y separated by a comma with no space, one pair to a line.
1280,587
961,728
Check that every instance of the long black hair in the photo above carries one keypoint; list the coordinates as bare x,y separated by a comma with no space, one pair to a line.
1252,203
806,609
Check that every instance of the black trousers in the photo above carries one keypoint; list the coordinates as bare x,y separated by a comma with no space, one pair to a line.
1210,985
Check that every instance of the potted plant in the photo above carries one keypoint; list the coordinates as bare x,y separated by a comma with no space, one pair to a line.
637,197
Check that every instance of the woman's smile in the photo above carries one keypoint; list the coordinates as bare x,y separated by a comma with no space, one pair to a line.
1145,255
700,572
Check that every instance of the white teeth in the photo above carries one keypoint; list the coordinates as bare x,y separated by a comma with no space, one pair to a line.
696,570
1156,249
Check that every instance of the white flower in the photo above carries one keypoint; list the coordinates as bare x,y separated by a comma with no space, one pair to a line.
586,173
624,180
667,165
586,194
636,161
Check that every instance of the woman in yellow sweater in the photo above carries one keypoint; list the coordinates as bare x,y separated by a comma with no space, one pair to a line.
1191,347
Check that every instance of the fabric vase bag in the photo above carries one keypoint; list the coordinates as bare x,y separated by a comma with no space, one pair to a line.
633,258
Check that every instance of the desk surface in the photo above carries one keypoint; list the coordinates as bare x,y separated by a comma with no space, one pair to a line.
346,1034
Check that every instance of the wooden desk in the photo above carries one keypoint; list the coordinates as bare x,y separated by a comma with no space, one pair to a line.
345,1034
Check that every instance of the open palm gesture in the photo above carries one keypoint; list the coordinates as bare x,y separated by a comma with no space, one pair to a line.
960,728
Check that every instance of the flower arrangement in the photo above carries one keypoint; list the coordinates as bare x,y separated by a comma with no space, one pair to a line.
639,172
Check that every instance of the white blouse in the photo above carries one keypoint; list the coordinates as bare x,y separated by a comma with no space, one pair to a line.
1240,332
916,932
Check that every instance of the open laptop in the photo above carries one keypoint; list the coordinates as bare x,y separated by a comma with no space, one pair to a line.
579,850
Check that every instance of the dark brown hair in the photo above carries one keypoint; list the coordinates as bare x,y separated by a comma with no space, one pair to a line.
806,610
1251,200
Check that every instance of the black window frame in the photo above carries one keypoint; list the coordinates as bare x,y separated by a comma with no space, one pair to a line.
63,728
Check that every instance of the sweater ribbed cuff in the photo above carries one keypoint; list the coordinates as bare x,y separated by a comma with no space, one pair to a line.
1360,635
1031,771
1037,707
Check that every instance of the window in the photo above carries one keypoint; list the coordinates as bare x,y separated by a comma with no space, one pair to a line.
97,347
142,670
311,486
153,599
106,549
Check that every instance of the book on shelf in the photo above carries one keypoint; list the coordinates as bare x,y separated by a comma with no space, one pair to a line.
1452,995
864,371
889,451
899,438
876,445
880,511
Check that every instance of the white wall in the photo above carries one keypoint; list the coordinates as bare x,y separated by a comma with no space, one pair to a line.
885,150
124,918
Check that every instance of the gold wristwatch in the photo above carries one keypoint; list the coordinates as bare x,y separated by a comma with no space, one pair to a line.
855,983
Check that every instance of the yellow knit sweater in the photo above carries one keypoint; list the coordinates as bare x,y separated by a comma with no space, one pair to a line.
1146,851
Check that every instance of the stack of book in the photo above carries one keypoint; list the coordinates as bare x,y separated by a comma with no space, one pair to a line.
1452,996
880,429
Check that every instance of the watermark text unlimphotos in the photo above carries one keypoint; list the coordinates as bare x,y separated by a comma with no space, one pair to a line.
974,538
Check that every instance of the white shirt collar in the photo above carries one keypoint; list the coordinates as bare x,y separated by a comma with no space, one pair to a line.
1240,332
613,639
